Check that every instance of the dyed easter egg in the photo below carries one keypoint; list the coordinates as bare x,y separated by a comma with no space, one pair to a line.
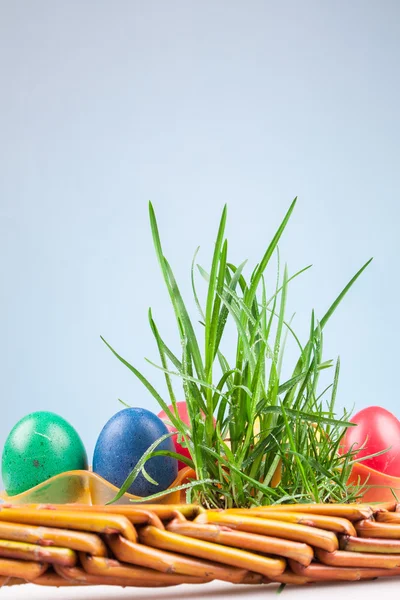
40,445
377,430
184,417
123,441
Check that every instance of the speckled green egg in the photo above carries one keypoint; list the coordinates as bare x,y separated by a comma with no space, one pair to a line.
40,445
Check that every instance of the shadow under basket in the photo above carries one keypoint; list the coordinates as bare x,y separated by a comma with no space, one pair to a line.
86,487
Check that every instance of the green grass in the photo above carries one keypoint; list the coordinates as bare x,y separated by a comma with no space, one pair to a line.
265,424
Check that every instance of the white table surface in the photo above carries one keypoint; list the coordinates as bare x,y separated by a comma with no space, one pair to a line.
378,590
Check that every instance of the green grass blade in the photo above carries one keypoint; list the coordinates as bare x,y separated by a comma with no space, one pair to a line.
212,288
138,467
308,417
184,322
163,359
223,316
177,488
294,276
125,404
212,328
342,294
168,353
194,290
185,377
268,254
334,391
147,384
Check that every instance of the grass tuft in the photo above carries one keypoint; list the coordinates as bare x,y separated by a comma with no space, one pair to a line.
276,440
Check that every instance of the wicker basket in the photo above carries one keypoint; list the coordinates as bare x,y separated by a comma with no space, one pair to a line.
165,545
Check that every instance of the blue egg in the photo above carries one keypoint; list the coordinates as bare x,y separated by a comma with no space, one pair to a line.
123,441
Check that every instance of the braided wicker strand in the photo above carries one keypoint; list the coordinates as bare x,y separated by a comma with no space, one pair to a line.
167,545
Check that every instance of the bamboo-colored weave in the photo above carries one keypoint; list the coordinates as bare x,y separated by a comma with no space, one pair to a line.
166,545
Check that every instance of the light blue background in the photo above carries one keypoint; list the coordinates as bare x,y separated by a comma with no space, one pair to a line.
105,105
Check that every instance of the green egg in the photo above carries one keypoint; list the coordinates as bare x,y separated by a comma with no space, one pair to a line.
40,445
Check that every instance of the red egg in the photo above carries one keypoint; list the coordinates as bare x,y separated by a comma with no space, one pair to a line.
184,416
377,429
